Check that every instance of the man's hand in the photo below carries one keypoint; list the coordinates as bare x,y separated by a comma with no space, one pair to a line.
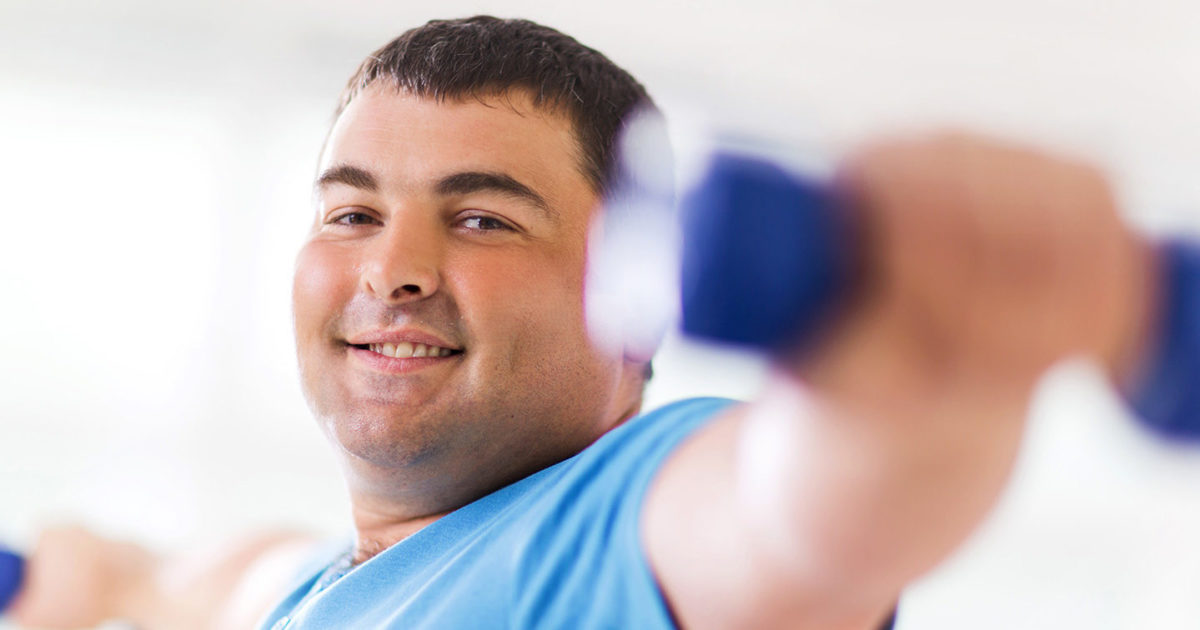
76,579
870,457
984,263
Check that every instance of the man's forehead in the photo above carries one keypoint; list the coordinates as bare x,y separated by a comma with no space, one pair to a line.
398,134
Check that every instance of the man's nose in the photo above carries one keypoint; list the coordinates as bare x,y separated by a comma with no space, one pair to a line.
402,263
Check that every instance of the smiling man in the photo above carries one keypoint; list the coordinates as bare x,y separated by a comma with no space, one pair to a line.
499,472
438,302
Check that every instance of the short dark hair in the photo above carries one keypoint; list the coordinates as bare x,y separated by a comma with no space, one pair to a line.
486,56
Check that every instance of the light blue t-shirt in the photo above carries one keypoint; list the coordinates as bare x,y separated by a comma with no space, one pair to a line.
558,549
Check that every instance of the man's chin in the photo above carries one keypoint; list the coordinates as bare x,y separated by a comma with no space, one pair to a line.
379,441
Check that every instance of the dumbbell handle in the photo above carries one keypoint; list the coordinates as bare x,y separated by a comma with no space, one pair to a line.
12,571
767,256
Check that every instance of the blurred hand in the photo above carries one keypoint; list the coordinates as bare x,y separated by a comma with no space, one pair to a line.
986,263
76,579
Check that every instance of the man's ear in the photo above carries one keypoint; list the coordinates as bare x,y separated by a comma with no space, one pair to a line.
648,371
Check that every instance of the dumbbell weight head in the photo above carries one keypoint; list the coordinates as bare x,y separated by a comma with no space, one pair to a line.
1165,392
12,572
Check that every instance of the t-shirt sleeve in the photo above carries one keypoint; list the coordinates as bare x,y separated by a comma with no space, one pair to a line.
579,560
580,563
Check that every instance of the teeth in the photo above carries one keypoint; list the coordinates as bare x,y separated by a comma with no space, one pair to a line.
406,350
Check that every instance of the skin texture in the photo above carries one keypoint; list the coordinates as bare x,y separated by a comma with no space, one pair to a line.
487,272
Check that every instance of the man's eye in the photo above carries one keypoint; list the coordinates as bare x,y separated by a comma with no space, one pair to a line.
354,218
484,223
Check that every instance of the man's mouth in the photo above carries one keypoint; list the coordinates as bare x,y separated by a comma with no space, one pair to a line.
406,350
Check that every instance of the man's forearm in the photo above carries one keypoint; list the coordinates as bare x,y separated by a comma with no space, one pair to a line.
866,503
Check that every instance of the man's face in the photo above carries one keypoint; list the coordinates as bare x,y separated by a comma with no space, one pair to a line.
438,299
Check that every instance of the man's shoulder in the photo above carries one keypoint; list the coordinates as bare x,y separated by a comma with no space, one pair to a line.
632,452
615,470
664,426
577,552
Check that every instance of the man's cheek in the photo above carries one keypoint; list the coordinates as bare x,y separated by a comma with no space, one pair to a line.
324,277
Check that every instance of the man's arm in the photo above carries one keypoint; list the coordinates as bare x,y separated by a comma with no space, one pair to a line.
77,579
869,459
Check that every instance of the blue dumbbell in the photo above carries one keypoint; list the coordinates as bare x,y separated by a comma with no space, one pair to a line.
1167,395
12,571
767,256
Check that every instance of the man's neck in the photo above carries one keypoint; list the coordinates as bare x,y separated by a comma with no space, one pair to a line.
378,531
387,511
388,507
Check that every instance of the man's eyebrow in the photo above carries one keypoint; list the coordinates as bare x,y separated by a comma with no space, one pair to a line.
348,175
468,182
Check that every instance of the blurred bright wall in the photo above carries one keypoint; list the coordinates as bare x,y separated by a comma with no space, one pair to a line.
156,162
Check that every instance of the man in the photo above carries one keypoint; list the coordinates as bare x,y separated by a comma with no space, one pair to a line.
499,472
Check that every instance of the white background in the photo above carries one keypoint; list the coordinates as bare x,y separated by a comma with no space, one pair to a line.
155,168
